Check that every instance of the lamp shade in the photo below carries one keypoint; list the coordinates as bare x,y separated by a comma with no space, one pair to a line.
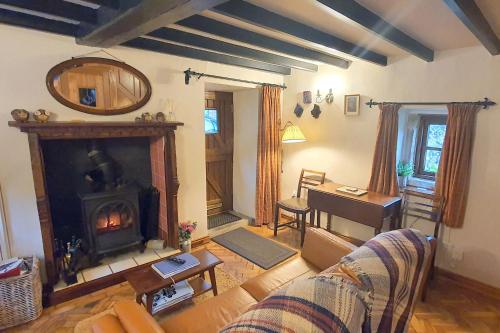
292,134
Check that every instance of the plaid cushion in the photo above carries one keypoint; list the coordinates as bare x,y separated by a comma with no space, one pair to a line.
326,303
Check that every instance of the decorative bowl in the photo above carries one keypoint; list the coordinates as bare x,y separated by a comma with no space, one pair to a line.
20,115
41,116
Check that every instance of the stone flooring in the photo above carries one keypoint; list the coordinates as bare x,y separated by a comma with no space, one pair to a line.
450,308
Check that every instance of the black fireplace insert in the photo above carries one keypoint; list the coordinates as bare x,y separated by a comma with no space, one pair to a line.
111,221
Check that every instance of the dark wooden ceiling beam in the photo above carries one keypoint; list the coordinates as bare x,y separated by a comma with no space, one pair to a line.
259,16
58,8
232,49
225,30
113,4
469,13
37,23
140,18
188,52
359,14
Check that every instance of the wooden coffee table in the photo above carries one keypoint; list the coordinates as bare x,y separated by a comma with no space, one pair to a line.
148,282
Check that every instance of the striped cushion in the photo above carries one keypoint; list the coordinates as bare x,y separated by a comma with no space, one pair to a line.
390,265
372,289
326,303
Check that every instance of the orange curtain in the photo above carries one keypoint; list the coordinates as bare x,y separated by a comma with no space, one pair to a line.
384,177
268,155
452,180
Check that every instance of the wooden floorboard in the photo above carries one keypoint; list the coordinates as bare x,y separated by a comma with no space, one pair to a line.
450,308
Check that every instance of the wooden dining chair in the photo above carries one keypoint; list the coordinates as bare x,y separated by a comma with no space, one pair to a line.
423,204
298,205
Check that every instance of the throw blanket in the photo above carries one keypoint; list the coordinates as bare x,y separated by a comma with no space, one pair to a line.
321,304
391,267
371,290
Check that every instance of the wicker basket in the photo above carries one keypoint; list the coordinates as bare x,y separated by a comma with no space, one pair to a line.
21,297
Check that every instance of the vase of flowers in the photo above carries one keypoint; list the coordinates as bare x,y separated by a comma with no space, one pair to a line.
185,231
405,170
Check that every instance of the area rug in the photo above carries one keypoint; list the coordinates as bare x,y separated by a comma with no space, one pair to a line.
259,250
224,282
218,220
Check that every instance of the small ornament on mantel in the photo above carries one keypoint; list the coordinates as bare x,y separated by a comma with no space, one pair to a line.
160,117
41,116
147,117
20,115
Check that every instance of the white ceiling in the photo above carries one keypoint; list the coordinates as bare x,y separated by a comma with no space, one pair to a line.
430,22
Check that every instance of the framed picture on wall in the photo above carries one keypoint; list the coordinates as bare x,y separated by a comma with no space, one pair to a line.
351,105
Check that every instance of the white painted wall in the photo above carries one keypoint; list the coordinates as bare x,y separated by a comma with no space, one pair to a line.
343,146
246,112
24,61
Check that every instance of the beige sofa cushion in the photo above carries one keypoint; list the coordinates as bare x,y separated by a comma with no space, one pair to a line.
260,286
211,315
324,249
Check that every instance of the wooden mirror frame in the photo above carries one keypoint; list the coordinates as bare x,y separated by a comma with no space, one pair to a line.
68,64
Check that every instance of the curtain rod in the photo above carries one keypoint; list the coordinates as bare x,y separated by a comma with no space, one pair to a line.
484,103
188,73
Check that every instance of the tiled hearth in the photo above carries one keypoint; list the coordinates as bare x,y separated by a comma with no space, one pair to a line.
118,263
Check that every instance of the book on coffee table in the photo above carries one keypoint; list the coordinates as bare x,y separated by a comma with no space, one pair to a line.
168,268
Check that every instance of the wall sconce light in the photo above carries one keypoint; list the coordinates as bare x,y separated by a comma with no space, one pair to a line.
329,97
292,134
319,99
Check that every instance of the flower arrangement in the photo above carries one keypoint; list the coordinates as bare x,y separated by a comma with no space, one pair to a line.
186,229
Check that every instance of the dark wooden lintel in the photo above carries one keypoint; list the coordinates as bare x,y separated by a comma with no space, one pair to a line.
58,8
233,49
469,13
138,18
184,51
262,17
361,15
214,27
38,23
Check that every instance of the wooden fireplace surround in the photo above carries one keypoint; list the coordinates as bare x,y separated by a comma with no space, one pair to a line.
38,132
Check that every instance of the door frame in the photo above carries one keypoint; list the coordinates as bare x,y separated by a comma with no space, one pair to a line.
224,202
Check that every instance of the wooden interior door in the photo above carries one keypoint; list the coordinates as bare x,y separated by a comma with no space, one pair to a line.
219,154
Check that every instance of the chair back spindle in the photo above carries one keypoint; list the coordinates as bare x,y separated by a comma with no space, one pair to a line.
309,178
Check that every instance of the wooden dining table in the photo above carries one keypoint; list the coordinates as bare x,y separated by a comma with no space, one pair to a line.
370,209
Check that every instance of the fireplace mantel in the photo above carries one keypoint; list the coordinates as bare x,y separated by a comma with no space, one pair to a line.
58,130
102,129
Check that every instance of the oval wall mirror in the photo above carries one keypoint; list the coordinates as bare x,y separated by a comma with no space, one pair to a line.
98,86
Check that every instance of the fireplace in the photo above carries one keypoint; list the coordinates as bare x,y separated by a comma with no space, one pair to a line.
109,211
111,221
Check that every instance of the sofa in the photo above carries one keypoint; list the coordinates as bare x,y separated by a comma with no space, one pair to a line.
321,251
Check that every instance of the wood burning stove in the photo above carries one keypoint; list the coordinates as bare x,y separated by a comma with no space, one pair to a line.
111,221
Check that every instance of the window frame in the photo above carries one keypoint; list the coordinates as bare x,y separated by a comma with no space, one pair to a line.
218,121
425,122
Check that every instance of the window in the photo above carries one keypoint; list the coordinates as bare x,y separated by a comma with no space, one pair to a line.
211,121
429,144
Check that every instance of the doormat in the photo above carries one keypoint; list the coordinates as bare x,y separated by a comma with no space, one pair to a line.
221,219
257,249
